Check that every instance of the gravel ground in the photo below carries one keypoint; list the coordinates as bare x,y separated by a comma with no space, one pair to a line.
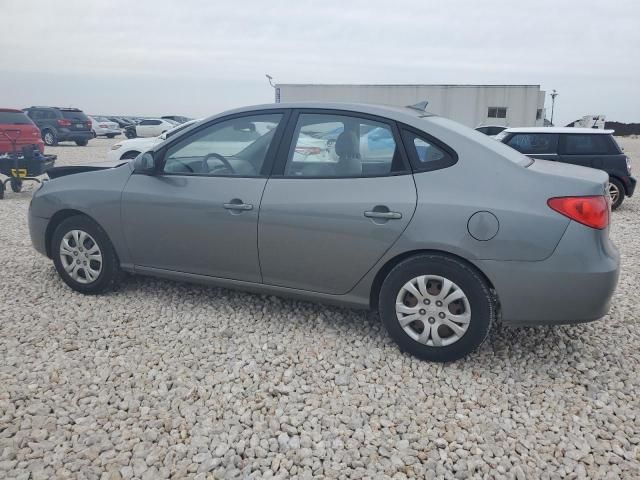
169,380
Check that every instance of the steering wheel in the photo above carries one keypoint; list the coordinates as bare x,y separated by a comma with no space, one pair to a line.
225,162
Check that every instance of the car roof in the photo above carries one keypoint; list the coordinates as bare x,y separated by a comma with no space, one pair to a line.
558,130
388,111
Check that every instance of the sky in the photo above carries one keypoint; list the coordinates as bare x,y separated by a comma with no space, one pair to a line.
200,57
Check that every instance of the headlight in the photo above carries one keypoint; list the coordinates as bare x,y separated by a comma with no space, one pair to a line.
116,146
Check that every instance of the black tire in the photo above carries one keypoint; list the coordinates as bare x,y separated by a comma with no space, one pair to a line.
1,189
109,275
130,133
16,184
616,184
467,278
130,155
93,132
82,143
49,137
111,135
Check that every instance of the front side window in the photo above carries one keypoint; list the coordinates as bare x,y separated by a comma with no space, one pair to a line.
334,146
235,147
529,143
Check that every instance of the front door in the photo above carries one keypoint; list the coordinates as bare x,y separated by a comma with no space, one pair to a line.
199,214
333,208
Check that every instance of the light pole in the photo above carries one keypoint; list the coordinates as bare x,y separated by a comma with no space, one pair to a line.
554,94
276,89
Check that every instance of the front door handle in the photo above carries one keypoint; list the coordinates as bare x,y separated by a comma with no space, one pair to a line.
383,215
238,206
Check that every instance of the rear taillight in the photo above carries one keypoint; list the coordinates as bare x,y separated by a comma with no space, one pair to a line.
63,122
628,165
592,211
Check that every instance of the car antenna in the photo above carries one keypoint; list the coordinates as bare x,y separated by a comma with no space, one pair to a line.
420,106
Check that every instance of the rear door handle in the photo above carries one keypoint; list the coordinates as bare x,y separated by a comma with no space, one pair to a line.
384,215
238,206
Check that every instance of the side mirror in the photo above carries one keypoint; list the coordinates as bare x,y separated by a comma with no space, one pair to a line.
145,164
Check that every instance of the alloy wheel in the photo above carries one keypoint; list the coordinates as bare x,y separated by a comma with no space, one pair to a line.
81,256
614,193
433,310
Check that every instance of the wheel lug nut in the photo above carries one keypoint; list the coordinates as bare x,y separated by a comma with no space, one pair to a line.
426,301
441,315
422,312
432,320
439,303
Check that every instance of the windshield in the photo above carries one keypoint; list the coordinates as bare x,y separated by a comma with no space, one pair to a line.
14,118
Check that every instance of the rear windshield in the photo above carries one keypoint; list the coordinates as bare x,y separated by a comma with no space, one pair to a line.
15,118
74,115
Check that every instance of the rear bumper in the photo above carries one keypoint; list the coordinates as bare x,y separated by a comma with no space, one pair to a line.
629,185
574,285
70,135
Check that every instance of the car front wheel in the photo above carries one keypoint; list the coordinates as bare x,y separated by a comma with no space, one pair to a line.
84,256
616,192
436,307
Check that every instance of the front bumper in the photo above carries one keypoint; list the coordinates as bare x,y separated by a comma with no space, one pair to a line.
574,285
629,185
38,232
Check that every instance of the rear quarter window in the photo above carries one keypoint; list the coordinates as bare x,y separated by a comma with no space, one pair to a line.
588,144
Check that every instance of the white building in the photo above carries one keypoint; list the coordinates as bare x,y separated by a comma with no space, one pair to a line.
472,105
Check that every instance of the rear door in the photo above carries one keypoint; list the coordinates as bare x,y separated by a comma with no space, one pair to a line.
333,208
535,145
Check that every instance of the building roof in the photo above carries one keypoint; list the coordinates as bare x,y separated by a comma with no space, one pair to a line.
412,85
557,130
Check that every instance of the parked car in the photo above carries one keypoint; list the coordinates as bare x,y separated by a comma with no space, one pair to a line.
429,242
176,118
19,127
491,130
61,124
587,147
130,149
149,127
103,127
121,121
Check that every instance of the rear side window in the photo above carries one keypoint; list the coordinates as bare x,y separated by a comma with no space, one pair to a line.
588,144
74,115
530,143
427,154
14,118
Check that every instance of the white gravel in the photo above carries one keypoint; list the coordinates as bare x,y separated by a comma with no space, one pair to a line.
168,380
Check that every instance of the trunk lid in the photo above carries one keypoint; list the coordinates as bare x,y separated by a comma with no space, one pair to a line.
569,179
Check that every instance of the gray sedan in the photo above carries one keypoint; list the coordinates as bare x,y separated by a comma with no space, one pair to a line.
437,227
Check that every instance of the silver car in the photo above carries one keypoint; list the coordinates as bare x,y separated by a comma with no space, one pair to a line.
439,228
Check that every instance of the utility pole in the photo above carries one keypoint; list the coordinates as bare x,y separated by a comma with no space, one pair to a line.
554,94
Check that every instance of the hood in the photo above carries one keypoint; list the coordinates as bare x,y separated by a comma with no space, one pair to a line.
56,172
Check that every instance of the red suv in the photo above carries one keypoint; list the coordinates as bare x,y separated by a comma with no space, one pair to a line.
18,126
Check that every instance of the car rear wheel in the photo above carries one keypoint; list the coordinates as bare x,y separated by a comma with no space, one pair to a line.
84,256
16,184
50,138
110,135
82,143
616,192
436,307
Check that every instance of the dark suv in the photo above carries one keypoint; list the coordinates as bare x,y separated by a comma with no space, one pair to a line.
589,147
61,124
